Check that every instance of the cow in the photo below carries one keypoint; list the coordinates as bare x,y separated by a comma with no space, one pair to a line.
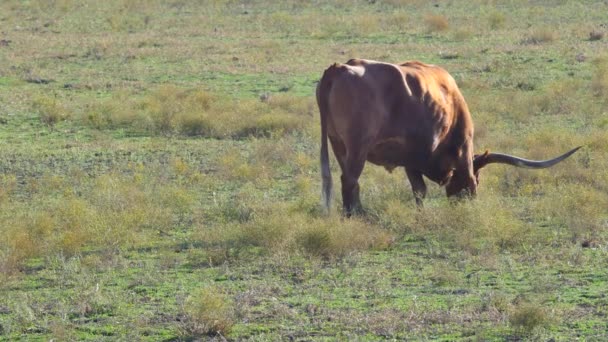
410,114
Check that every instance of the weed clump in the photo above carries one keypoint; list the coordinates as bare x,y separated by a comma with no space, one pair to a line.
107,213
207,312
596,35
540,36
8,184
436,23
496,20
170,110
50,110
476,227
442,274
599,81
329,238
295,228
557,98
578,209
528,316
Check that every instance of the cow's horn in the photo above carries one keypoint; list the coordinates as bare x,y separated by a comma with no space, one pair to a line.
499,158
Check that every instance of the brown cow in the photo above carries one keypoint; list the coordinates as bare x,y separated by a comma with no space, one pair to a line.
410,114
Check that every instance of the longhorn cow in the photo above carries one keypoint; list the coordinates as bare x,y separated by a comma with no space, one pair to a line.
410,114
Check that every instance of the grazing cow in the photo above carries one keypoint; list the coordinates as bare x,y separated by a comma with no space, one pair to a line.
410,114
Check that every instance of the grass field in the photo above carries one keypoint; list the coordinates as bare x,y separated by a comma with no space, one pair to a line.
159,174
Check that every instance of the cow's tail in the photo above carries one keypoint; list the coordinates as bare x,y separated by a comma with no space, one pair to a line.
323,90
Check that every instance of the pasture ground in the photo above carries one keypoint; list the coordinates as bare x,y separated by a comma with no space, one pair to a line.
159,174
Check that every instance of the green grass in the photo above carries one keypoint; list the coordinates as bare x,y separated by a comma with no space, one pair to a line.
159,175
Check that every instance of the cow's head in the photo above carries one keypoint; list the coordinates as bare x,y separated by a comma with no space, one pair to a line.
464,184
461,184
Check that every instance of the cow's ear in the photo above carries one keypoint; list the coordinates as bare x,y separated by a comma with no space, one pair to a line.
480,160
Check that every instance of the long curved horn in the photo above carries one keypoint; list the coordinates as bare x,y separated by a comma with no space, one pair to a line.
499,158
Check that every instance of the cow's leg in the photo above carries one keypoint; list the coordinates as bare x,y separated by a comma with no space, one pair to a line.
418,185
351,170
339,151
350,185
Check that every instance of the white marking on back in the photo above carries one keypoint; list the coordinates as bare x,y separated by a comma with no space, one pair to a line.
357,69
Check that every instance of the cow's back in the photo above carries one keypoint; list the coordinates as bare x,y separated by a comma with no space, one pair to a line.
362,96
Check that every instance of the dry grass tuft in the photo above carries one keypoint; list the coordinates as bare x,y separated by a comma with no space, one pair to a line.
20,248
436,23
8,184
40,233
236,166
207,312
476,227
578,209
557,98
290,227
528,316
402,3
599,81
442,274
327,238
110,212
496,20
50,110
596,35
330,238
462,34
540,36
170,110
